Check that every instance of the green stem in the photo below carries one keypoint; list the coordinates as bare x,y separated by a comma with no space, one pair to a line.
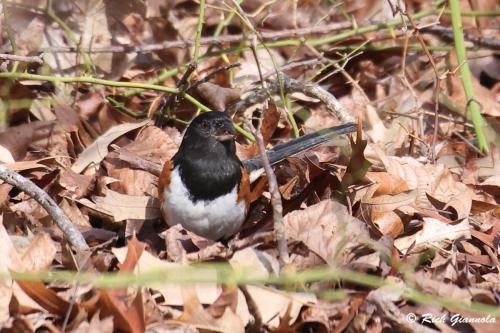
472,104
109,83
165,74
199,28
85,79
220,273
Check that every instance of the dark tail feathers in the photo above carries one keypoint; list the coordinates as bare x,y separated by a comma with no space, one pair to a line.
293,147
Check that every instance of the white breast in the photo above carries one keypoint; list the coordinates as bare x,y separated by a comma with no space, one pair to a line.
214,219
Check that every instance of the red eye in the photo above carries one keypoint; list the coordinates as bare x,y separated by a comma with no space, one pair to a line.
204,125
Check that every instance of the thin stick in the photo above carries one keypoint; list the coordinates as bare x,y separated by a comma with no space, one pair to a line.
279,226
437,81
172,99
291,85
69,230
445,32
14,57
209,41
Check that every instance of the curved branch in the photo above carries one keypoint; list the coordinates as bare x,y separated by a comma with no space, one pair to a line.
291,85
70,231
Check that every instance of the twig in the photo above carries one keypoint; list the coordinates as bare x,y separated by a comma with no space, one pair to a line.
69,230
445,32
209,41
279,226
33,59
210,75
172,99
291,85
136,162
437,81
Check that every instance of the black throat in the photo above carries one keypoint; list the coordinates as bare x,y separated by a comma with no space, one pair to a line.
208,168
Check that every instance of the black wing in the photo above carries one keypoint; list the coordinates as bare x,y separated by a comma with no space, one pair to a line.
295,146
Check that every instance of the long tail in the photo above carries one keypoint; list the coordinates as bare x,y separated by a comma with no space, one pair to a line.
293,147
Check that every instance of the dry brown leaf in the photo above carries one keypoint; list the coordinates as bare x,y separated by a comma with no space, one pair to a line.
388,223
17,139
122,206
258,264
9,260
74,214
219,97
449,290
38,256
387,183
5,155
387,203
327,229
77,186
208,293
156,145
98,150
95,325
26,165
194,313
433,233
49,299
123,318
274,305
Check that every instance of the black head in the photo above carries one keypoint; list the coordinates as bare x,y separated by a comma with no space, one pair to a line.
207,157
212,126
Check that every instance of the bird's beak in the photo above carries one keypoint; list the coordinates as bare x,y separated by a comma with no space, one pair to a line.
225,135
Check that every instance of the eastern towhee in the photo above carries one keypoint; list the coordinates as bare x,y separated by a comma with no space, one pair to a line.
206,188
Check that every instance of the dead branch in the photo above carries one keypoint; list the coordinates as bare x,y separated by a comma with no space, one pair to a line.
33,59
206,41
69,230
279,226
136,162
447,33
291,85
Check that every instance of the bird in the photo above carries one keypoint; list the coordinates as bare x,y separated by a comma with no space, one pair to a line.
205,187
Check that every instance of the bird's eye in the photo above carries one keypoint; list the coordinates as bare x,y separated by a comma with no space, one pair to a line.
220,124
204,125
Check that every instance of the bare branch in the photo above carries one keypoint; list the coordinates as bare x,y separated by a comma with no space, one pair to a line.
69,230
279,226
208,41
291,85
36,59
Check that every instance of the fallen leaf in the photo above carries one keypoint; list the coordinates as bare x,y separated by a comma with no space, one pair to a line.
327,229
98,150
38,256
123,318
387,183
219,97
432,233
194,313
5,155
274,304
123,207
77,185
